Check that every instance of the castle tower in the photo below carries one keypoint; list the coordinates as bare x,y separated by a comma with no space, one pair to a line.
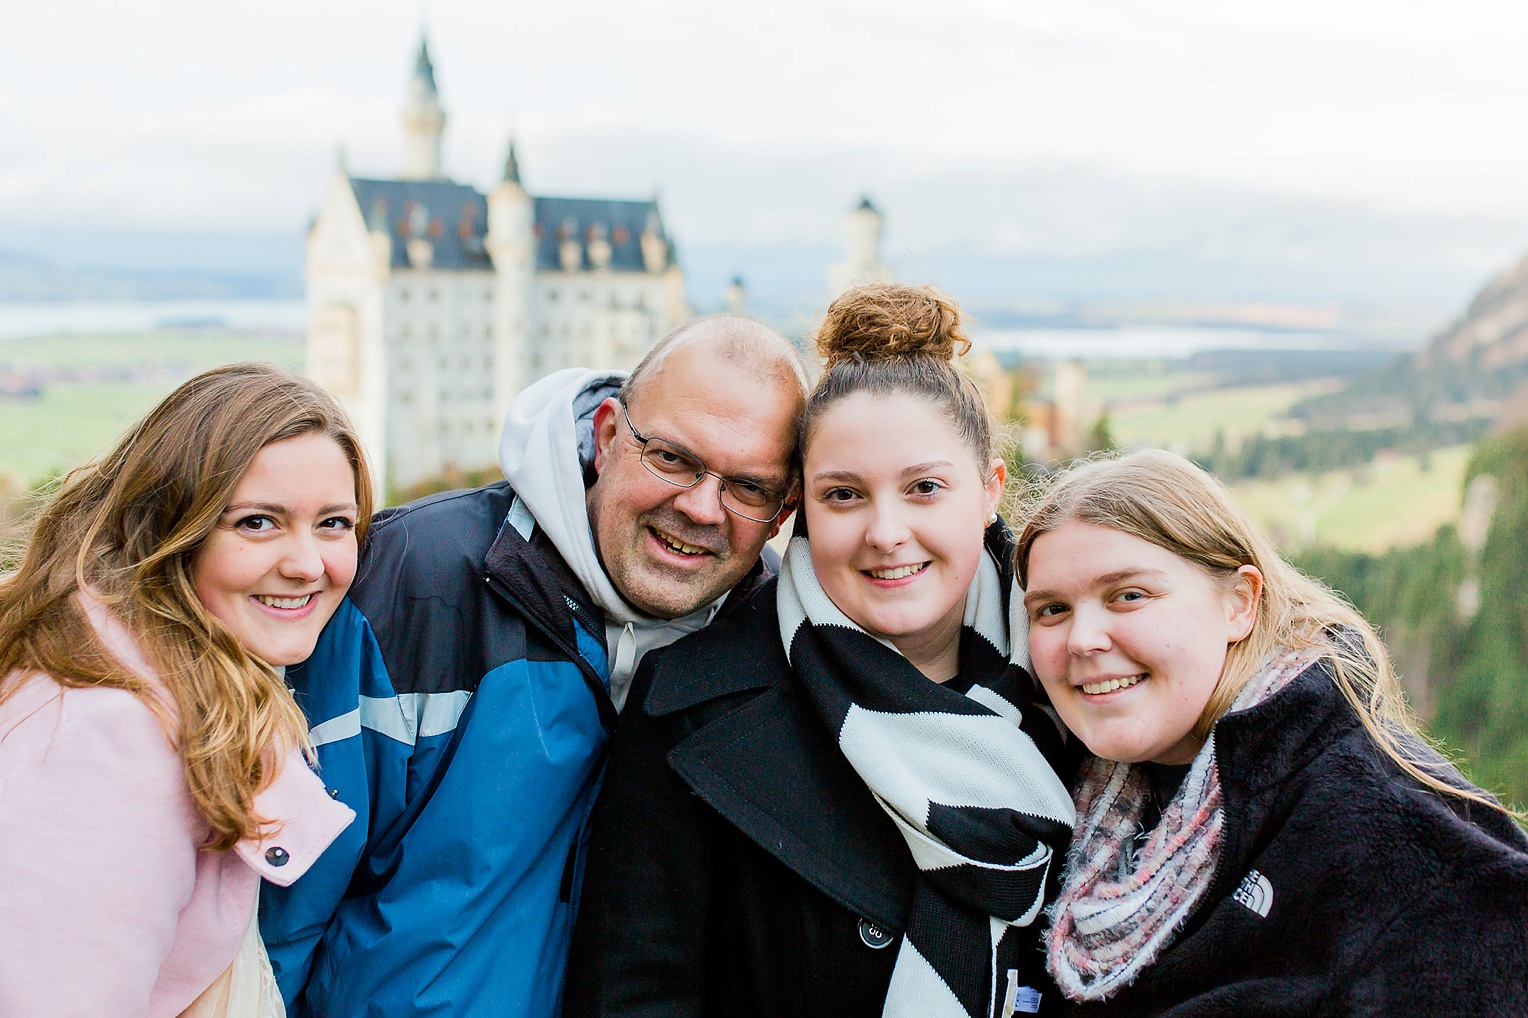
509,243
736,297
862,255
423,122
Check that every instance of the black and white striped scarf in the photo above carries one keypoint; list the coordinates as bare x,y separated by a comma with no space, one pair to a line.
962,776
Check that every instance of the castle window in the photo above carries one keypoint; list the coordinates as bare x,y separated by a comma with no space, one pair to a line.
434,295
403,293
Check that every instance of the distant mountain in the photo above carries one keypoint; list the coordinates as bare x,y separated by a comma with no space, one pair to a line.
26,278
1476,369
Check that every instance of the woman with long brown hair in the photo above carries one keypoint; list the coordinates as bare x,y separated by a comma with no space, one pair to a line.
151,767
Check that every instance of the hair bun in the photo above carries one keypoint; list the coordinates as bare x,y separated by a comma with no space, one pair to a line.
888,321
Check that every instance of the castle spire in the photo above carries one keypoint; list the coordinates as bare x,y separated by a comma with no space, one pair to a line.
511,164
423,120
424,70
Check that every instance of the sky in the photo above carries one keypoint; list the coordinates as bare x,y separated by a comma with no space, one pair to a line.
1371,140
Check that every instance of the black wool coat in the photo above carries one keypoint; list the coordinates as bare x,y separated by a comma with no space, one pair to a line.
738,866
1342,887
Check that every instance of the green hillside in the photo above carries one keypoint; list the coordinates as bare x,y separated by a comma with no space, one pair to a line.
1467,672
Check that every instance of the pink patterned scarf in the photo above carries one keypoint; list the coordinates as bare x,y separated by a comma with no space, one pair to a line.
1119,908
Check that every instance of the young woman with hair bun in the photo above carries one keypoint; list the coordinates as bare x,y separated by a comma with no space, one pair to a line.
843,800
1261,829
151,757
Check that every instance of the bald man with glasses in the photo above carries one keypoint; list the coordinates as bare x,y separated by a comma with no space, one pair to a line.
462,697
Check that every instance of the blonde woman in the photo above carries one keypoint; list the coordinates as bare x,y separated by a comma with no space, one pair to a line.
151,768
1261,829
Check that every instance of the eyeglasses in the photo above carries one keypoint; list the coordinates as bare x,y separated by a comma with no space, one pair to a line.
739,496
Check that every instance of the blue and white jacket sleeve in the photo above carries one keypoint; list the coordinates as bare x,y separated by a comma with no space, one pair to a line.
347,695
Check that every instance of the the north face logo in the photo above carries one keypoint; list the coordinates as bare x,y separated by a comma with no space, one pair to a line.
1256,893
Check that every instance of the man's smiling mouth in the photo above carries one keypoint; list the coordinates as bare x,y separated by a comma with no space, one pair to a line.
676,545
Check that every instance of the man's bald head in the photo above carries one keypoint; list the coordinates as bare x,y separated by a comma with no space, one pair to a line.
735,339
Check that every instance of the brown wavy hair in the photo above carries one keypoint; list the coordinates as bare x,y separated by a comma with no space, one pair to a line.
1165,500
127,528
888,338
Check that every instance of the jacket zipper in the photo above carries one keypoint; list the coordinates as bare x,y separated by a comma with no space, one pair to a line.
591,677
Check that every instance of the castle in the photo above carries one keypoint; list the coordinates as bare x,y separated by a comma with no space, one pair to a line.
431,305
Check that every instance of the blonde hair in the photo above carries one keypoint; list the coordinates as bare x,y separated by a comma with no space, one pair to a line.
1165,500
127,528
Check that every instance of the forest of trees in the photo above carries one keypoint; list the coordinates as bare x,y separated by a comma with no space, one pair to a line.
1465,675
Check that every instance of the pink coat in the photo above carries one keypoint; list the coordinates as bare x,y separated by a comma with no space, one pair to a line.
107,904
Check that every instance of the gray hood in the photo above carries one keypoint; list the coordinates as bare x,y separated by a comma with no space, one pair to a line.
545,451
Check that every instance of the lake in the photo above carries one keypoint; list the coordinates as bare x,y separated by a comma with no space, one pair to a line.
22,321
1142,342
1125,342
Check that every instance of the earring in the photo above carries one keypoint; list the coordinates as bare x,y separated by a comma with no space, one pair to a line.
991,519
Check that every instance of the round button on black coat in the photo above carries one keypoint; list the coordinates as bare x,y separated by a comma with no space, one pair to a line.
278,857
873,935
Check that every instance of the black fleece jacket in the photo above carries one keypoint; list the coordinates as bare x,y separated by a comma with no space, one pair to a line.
1343,887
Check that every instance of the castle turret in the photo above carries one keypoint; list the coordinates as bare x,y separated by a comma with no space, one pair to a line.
862,251
736,297
423,122
509,243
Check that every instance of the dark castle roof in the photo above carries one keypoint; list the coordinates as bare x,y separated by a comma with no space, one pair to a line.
622,222
454,218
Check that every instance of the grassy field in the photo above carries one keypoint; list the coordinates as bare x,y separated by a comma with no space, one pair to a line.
121,377
1189,423
1129,382
1396,501
1392,502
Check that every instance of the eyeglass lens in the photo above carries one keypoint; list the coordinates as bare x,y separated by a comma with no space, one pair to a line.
679,467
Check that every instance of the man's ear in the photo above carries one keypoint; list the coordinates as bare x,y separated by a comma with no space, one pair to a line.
1242,602
607,428
790,506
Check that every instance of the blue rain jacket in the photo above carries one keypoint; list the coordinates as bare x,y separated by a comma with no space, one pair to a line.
459,705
